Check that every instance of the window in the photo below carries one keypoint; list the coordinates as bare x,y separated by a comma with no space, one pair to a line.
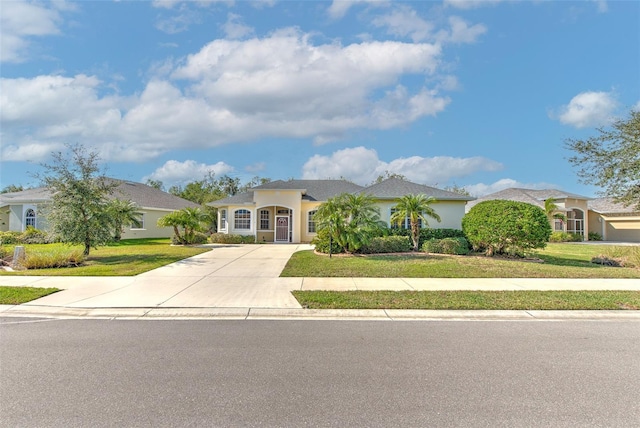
242,219
312,223
30,218
406,224
139,224
558,225
223,219
264,219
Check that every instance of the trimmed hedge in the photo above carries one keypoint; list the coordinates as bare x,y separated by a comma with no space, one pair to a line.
427,234
223,238
565,237
459,246
387,244
506,227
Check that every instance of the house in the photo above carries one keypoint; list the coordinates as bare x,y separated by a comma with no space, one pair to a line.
22,209
573,207
282,211
614,221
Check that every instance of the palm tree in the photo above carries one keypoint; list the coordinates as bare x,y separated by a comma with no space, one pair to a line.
190,219
122,212
550,209
348,220
416,208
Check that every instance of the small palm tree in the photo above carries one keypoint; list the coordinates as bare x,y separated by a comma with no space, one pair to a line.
416,208
550,208
122,212
189,219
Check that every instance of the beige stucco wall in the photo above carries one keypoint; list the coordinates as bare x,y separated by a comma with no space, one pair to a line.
612,228
450,212
4,218
580,204
307,206
151,229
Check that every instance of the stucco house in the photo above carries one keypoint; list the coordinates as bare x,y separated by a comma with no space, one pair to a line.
614,221
282,211
21,209
574,207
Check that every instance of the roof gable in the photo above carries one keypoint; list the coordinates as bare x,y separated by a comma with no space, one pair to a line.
395,188
530,196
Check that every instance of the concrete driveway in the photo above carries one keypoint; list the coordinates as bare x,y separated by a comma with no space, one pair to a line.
229,276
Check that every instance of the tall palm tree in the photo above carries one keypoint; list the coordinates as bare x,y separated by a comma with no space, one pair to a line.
416,208
120,213
550,208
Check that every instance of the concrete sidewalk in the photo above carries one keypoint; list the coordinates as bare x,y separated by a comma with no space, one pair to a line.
242,282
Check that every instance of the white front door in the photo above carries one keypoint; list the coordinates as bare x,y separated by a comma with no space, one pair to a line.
282,229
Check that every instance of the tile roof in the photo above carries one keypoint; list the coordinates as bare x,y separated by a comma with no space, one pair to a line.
394,188
143,195
530,196
609,206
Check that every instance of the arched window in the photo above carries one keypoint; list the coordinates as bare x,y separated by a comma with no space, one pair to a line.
311,222
242,219
30,218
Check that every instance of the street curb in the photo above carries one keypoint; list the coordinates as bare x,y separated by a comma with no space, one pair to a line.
310,314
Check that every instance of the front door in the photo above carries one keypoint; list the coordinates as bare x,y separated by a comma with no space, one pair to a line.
282,229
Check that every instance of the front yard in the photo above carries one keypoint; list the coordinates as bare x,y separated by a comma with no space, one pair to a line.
556,261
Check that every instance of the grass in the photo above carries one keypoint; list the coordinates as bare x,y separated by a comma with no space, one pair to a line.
125,258
560,261
470,300
20,295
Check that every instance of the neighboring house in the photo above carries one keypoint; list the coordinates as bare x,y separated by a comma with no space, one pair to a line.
574,207
614,221
23,209
282,211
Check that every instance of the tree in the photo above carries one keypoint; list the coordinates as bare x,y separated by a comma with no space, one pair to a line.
611,159
189,219
416,208
550,209
348,220
12,188
387,175
78,211
457,189
506,227
156,184
122,212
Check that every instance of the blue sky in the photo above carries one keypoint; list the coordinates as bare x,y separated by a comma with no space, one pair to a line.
480,94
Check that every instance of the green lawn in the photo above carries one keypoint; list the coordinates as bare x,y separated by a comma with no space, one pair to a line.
560,261
470,300
126,258
19,295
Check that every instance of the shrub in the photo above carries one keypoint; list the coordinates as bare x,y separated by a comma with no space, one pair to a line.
506,227
594,236
10,237
34,236
624,256
322,241
387,244
427,234
52,258
223,238
459,246
565,237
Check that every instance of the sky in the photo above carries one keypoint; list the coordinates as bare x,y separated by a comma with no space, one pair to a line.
474,94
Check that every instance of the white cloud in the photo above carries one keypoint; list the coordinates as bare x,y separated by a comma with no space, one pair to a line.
256,167
235,29
176,172
471,4
362,165
461,32
281,86
602,5
178,23
481,189
339,8
405,22
20,21
588,109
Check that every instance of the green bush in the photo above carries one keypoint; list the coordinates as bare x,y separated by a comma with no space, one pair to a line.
52,258
506,227
10,237
223,238
427,234
595,236
459,246
322,241
195,238
34,236
565,237
387,244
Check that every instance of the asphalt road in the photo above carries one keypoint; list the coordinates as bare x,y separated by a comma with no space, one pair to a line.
93,373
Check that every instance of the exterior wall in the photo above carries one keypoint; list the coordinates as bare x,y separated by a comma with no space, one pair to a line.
579,204
450,212
231,230
4,218
305,236
15,218
150,229
291,199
